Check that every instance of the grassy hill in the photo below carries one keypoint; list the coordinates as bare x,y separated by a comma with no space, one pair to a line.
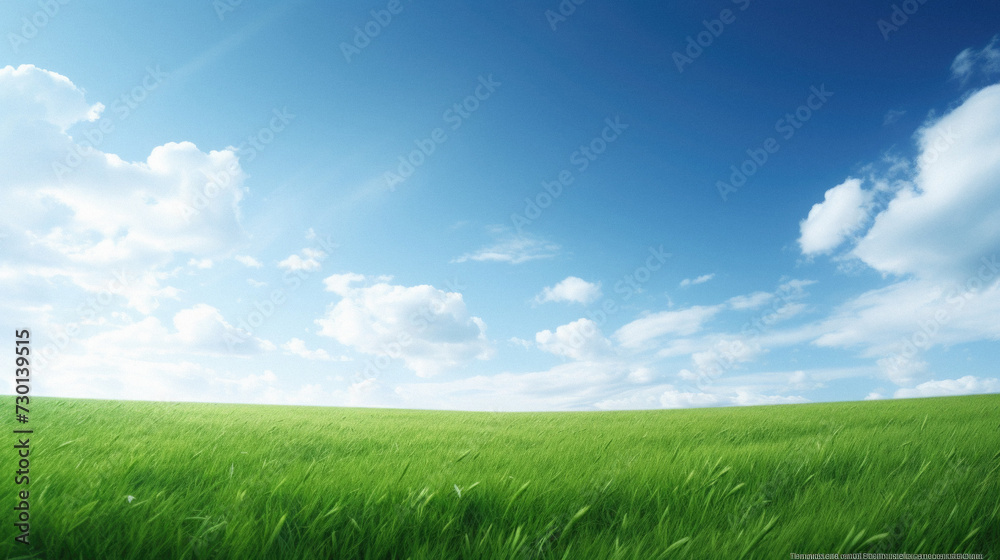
240,481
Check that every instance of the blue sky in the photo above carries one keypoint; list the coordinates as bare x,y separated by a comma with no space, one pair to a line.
504,206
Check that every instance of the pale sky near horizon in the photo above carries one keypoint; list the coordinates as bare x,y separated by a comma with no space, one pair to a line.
504,205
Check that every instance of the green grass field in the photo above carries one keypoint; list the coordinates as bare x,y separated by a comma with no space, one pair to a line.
235,481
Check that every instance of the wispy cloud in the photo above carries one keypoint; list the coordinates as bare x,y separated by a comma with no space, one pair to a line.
891,116
695,281
970,61
513,249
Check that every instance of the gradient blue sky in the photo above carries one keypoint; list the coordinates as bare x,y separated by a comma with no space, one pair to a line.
857,261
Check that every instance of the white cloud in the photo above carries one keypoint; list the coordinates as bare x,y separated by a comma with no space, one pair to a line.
985,60
32,95
572,289
512,250
673,398
248,261
307,260
570,386
522,343
744,398
968,385
750,301
641,374
724,354
940,231
912,316
677,398
254,382
430,330
70,211
902,371
579,340
340,284
115,376
198,330
683,322
798,379
200,263
942,224
699,280
842,213
297,347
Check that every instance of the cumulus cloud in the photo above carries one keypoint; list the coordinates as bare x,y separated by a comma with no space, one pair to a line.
579,340
968,385
340,284
939,233
842,213
297,347
572,289
32,96
70,211
248,261
699,280
429,329
942,224
307,260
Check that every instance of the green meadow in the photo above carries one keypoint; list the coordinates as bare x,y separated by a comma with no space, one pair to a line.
122,480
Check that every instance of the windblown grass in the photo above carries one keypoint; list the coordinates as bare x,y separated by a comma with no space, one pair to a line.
235,481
